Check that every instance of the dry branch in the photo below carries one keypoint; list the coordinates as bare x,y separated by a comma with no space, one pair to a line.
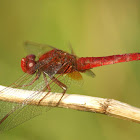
109,107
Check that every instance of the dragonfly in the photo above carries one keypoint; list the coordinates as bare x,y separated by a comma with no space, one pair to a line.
49,69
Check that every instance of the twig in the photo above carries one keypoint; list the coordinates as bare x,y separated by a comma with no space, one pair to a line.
109,107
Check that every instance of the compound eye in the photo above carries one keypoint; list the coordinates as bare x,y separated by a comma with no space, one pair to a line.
30,67
23,64
31,57
28,63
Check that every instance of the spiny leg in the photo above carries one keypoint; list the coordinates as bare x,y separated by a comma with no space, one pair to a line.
36,77
47,87
60,84
8,114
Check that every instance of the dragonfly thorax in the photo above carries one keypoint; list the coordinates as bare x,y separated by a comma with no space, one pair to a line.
28,63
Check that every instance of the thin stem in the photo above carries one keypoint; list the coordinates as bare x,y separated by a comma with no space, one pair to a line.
109,107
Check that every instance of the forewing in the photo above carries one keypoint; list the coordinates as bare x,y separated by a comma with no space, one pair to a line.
13,114
67,79
19,113
36,48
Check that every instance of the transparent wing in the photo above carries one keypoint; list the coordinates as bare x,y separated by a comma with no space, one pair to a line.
71,49
13,114
18,113
67,79
39,49
36,48
90,73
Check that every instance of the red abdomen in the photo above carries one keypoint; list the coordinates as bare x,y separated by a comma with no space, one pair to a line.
85,63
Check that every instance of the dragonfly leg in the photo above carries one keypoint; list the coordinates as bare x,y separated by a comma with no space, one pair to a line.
47,87
4,118
60,84
36,77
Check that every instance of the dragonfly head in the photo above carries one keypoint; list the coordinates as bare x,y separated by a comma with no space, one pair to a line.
28,63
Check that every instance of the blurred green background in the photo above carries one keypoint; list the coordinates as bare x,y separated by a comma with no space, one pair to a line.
94,28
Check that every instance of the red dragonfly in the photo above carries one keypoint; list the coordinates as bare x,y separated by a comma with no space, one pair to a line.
49,69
